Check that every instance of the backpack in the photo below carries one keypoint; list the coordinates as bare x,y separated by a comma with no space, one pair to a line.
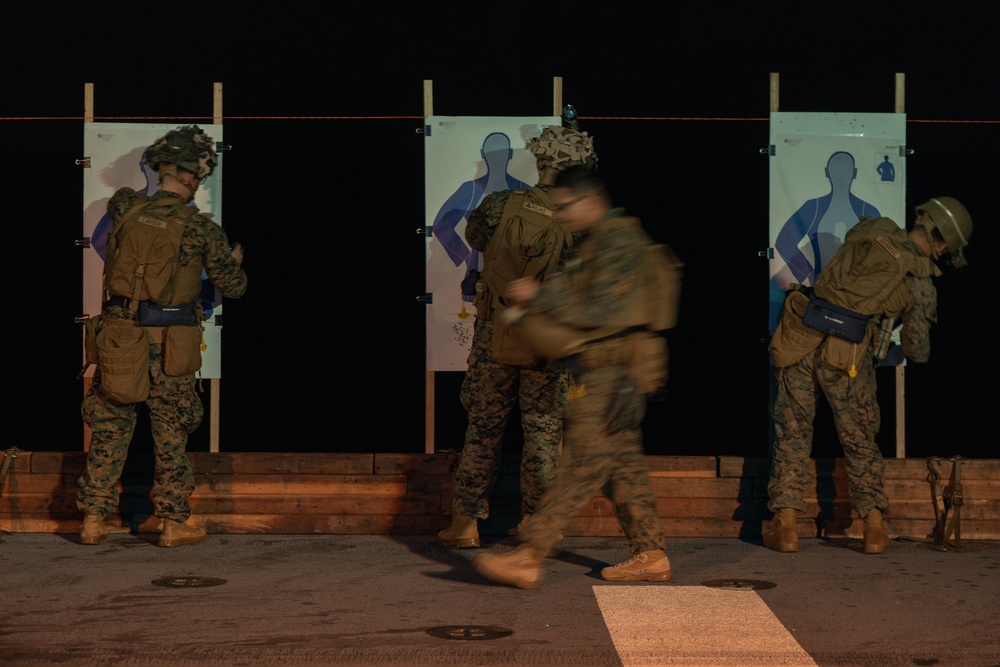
867,273
526,243
636,336
143,252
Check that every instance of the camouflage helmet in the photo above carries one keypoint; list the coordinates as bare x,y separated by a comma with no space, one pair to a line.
188,147
952,221
560,147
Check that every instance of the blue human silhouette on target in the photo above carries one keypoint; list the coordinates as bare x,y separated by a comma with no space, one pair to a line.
814,233
886,170
497,154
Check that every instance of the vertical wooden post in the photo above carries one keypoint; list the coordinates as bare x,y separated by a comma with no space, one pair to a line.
774,91
557,96
428,374
901,368
214,384
88,117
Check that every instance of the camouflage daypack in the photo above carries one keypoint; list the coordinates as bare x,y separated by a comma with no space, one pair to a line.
527,243
635,335
867,273
143,256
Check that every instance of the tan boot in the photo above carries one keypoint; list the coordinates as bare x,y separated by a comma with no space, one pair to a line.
177,534
522,567
780,533
650,565
93,531
876,533
463,532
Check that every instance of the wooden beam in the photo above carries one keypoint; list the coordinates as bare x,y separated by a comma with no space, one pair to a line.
215,391
88,117
901,368
428,375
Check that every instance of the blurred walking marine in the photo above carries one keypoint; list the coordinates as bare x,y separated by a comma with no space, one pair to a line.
602,307
830,337
146,342
515,231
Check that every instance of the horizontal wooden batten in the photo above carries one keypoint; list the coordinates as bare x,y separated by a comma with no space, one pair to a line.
698,496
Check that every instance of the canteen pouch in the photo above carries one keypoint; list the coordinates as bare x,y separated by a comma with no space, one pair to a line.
182,350
833,320
123,358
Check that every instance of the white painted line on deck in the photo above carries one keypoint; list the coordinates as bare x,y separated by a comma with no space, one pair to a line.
696,626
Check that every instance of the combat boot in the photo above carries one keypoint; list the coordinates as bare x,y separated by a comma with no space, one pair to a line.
781,534
522,567
93,531
876,533
463,532
177,534
652,565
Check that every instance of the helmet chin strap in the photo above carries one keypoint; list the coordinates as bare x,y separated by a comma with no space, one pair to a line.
172,170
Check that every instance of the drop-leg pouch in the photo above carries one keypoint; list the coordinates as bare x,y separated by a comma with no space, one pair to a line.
123,357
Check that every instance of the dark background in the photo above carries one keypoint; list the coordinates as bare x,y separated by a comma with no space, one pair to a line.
326,350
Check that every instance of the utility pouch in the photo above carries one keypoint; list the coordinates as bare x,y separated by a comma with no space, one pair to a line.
123,358
154,315
627,409
834,320
884,341
90,354
181,350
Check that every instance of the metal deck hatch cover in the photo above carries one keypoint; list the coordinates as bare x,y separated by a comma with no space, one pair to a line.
187,582
740,584
469,632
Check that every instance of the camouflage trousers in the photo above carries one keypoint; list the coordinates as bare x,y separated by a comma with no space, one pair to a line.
489,392
175,410
854,404
595,462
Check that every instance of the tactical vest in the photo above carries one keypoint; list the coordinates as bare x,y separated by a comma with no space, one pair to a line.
143,258
526,243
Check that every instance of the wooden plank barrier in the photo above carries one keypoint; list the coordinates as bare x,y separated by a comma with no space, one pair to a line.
697,496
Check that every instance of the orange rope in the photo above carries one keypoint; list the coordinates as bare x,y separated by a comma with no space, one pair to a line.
647,118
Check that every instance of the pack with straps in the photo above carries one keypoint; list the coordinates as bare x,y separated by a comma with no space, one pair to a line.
635,337
526,243
866,275
143,256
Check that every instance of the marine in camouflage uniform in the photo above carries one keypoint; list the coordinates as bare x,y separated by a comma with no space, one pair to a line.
489,392
587,295
491,389
852,397
174,406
